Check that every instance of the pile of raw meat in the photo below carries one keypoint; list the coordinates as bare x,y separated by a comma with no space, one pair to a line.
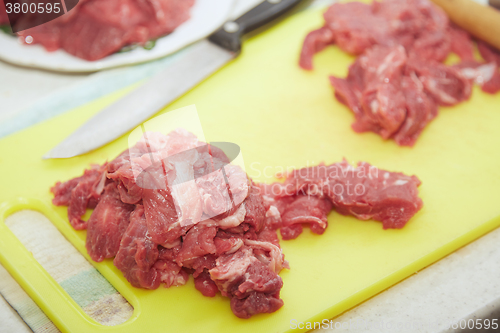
95,29
395,86
172,206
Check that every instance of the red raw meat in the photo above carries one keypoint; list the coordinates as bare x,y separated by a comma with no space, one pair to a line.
382,101
107,224
493,85
354,26
243,277
79,194
161,217
445,84
315,41
349,90
386,96
488,52
120,170
400,42
200,264
305,210
461,42
237,252
420,110
255,303
205,285
4,19
95,29
138,254
365,192
484,74
255,210
417,25
431,46
171,274
198,242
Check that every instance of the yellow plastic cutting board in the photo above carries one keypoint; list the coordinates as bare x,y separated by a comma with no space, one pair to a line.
281,116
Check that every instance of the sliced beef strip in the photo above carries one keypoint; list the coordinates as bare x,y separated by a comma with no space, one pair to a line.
486,75
120,170
256,303
204,284
355,27
236,252
420,110
171,274
95,29
305,209
138,253
243,277
107,224
314,42
382,101
79,194
382,92
161,215
447,85
365,192
198,242
488,52
461,42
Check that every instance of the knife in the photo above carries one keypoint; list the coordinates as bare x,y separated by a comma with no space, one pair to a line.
200,60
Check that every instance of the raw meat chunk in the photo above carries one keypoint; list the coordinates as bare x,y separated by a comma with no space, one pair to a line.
461,43
95,29
138,253
355,28
205,285
305,210
220,226
198,242
485,75
246,279
161,215
420,110
400,42
107,224
365,192
171,274
488,52
382,101
445,84
79,194
315,41
255,303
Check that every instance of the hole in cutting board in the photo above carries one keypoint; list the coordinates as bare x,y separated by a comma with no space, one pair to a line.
88,288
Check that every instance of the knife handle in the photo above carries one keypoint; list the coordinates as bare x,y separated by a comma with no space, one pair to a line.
229,36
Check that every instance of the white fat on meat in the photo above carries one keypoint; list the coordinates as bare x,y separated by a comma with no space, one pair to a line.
236,246
273,212
231,267
481,74
184,190
276,260
234,219
215,199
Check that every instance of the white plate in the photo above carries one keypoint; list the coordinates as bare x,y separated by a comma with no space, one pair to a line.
206,17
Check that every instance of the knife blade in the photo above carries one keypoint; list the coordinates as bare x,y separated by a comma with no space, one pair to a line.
197,63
